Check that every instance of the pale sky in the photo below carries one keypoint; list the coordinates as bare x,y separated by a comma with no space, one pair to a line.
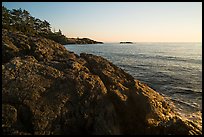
121,21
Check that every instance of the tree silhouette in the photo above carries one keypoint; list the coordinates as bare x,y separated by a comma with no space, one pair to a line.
21,20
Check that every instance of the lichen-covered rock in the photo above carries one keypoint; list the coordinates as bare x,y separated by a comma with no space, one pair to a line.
50,101
49,91
140,109
9,115
17,44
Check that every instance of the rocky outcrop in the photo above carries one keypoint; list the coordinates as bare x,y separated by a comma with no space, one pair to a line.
62,39
47,90
82,41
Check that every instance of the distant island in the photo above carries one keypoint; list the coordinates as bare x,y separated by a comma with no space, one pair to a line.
126,42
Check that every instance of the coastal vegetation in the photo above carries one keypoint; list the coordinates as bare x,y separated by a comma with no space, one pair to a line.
21,20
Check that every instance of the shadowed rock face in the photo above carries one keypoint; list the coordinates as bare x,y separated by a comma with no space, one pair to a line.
49,90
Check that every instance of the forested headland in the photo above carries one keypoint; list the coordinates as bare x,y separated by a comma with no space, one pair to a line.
21,20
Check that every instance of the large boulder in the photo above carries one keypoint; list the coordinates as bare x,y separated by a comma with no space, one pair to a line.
49,90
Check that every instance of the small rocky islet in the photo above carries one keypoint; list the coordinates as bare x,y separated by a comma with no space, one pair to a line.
48,90
126,42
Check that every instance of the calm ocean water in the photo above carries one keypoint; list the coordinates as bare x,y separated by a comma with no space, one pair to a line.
172,69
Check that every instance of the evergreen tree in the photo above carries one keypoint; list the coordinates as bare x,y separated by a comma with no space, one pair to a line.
21,20
6,17
60,32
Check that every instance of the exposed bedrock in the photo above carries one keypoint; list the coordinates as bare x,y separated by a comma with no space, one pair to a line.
49,90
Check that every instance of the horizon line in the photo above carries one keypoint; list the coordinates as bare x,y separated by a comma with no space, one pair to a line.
153,41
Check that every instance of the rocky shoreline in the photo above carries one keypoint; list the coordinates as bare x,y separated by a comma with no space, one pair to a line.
82,41
48,90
